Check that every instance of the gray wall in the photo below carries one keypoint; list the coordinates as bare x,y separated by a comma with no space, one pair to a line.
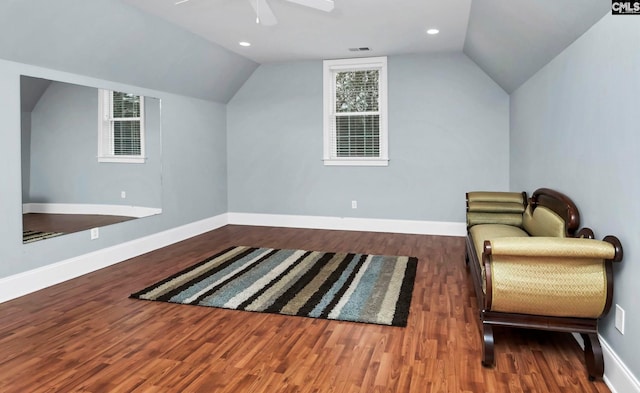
574,127
194,170
63,156
448,134
74,41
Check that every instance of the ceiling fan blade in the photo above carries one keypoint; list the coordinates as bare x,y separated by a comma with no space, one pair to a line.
322,5
264,13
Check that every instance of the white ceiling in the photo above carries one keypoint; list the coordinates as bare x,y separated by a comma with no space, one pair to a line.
509,39
305,33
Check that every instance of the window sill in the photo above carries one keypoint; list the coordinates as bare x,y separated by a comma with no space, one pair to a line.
356,162
123,159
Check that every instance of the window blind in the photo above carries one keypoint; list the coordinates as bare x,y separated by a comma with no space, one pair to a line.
125,124
356,119
126,138
354,127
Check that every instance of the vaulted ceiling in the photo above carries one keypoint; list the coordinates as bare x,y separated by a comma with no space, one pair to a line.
512,39
509,39
192,48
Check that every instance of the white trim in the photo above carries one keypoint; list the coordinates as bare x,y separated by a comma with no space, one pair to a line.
356,162
85,208
106,134
24,283
329,67
350,224
617,375
123,159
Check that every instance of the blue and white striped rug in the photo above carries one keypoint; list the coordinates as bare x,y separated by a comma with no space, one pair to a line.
33,236
341,286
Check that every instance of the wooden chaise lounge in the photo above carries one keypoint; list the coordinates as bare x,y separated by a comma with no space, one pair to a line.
532,268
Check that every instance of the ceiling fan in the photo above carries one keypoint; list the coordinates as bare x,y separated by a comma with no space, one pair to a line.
266,17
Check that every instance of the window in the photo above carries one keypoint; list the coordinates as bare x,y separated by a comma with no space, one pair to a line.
121,127
355,112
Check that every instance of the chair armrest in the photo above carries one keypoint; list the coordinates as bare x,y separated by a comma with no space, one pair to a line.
564,277
615,242
551,247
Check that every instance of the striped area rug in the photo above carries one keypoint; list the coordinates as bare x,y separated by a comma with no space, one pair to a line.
33,236
341,286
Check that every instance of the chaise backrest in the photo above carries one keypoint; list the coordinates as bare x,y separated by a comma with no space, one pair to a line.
551,213
543,222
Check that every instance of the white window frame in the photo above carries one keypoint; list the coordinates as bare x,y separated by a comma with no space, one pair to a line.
105,131
330,67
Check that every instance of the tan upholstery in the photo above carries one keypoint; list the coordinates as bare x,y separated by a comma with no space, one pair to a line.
562,287
482,232
535,268
543,222
552,247
495,196
495,208
562,277
474,218
529,270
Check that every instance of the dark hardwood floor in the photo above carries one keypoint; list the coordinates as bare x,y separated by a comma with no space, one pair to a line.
86,335
68,223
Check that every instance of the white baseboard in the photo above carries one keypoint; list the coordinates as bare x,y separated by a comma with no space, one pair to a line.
24,283
617,375
350,224
33,280
85,208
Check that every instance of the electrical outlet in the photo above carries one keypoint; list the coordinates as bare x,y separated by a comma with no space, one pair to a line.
123,194
620,319
95,233
354,204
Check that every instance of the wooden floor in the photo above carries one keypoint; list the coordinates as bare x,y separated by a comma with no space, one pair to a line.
86,335
68,223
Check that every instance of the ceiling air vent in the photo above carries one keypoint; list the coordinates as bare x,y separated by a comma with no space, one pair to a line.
361,49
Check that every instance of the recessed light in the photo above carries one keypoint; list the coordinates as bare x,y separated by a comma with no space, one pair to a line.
433,31
244,43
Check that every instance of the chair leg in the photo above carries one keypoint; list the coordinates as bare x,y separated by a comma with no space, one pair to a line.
593,356
487,347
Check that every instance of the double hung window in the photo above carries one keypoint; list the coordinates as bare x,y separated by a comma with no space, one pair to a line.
355,112
121,127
